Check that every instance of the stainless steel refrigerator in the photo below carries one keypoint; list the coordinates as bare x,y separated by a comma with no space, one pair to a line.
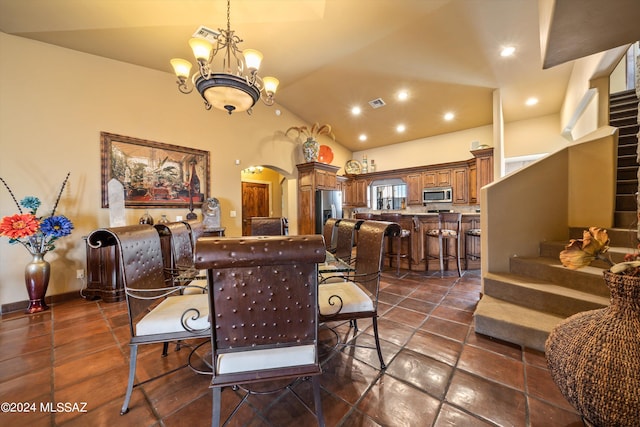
328,205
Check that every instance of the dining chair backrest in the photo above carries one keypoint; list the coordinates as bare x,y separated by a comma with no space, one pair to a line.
330,233
179,236
370,252
347,229
263,299
197,230
267,226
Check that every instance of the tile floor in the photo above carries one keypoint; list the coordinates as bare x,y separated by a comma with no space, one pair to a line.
440,372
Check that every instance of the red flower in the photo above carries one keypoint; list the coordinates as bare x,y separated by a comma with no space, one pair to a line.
19,225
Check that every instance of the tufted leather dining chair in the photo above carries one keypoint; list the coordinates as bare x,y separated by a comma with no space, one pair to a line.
267,226
158,311
330,233
178,260
356,296
347,229
196,230
264,308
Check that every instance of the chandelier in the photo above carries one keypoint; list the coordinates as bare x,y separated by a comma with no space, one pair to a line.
235,85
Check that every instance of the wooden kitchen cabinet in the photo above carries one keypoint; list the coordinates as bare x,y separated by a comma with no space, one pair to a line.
473,184
483,173
355,193
460,186
436,178
312,176
326,180
414,188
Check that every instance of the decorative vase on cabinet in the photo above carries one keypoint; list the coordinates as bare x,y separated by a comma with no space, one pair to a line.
593,357
310,150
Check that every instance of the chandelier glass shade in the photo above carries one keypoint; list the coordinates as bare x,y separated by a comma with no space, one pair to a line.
227,78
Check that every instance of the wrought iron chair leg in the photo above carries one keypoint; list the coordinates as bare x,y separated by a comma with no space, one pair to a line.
378,349
165,349
215,413
133,354
316,400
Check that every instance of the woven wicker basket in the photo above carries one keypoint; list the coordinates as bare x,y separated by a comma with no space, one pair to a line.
594,357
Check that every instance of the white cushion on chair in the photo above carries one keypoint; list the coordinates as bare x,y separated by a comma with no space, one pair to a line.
166,317
354,299
271,358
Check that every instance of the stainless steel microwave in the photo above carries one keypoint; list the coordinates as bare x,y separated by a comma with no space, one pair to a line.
437,195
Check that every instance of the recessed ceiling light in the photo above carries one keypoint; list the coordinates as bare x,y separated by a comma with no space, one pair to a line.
532,101
449,116
507,51
362,137
400,128
403,95
356,111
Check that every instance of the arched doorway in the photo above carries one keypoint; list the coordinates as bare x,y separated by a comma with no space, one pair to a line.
263,194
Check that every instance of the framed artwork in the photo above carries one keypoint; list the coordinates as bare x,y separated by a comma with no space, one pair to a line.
153,174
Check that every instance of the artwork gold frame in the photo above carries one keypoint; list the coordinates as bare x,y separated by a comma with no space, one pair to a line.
154,174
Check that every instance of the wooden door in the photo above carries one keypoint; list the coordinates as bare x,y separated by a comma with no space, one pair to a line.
255,202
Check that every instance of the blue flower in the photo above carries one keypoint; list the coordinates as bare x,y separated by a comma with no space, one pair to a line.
56,226
30,202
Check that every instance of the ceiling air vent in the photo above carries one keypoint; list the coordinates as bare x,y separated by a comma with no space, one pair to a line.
377,103
207,34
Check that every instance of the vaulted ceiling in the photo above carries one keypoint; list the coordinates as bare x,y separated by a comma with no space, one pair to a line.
331,55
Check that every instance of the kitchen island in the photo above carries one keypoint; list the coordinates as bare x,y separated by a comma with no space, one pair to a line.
418,223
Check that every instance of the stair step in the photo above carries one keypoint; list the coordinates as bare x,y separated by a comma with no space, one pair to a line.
627,173
629,93
623,237
552,251
626,202
627,150
625,219
626,120
626,109
627,161
631,129
514,323
587,279
540,295
627,187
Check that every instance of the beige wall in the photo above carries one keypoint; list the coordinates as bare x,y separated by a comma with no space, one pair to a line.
541,201
521,138
51,115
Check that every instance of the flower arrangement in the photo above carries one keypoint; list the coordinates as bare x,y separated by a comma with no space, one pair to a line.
312,132
36,233
594,245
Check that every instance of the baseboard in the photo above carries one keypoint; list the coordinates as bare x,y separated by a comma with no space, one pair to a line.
53,299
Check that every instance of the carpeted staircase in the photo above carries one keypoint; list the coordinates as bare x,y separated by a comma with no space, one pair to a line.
522,306
623,114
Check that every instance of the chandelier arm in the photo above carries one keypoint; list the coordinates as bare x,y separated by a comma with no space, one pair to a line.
183,87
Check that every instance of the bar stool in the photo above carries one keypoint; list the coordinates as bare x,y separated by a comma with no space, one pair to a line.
472,243
394,247
449,224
